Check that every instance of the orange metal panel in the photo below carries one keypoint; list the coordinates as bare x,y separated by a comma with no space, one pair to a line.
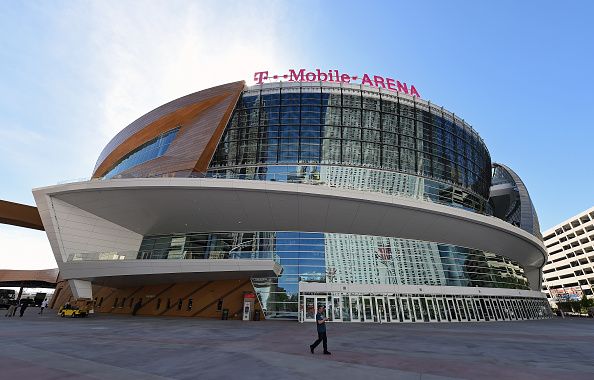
20,215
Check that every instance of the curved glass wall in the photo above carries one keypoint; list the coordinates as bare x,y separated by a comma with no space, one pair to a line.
511,202
337,126
340,258
146,152
360,179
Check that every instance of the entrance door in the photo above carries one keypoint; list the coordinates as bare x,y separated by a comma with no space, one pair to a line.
441,308
336,309
490,309
431,309
510,307
406,310
418,309
309,311
452,309
355,309
322,301
479,310
497,309
380,309
394,309
461,309
517,309
470,308
505,309
368,312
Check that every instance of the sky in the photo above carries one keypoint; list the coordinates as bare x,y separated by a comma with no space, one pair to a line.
72,74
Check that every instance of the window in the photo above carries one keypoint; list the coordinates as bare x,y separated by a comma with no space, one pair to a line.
146,152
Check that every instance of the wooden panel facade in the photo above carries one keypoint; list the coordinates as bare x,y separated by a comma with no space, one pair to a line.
201,117
20,215
202,299
29,278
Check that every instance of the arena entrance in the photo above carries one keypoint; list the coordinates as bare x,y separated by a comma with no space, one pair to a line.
415,308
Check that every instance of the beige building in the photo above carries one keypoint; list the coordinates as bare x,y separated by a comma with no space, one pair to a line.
569,271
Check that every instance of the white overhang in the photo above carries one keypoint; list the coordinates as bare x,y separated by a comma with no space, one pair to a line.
166,205
124,273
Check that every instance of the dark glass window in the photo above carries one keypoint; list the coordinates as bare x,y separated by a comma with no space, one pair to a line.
346,127
148,151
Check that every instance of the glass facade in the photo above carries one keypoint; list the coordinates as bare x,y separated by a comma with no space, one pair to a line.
515,207
147,151
340,258
312,128
351,138
421,307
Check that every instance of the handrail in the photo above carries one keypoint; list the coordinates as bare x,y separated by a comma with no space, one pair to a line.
171,255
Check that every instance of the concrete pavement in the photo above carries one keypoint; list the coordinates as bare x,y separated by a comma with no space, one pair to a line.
121,347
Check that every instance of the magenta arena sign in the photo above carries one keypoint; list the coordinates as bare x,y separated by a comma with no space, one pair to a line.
336,76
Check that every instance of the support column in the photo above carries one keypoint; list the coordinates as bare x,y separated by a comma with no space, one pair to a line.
81,289
20,293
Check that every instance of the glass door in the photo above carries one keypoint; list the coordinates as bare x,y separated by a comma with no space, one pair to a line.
441,308
394,309
461,310
452,310
431,309
406,310
368,312
309,311
490,309
484,309
497,308
355,309
507,314
380,309
418,309
336,309
479,310
516,309
470,308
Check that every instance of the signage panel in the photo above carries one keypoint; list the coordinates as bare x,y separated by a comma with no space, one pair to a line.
335,76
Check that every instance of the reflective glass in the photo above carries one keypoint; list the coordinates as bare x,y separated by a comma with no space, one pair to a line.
406,138
148,151
340,258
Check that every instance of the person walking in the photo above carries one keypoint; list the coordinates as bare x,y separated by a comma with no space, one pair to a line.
43,306
321,327
11,310
23,308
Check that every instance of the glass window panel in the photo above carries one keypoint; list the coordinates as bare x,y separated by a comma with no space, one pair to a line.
331,115
351,117
371,119
351,152
351,133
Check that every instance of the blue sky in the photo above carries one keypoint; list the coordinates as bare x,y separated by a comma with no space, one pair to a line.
72,74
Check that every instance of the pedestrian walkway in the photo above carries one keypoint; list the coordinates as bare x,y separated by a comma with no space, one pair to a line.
123,347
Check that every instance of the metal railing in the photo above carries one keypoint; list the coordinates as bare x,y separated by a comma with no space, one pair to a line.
172,255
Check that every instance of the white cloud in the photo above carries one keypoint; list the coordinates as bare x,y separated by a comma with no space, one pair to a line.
144,59
23,248
108,63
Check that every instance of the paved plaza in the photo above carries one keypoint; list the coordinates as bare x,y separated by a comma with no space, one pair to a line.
125,347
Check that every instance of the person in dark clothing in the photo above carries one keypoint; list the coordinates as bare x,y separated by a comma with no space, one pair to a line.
321,327
23,308
137,306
